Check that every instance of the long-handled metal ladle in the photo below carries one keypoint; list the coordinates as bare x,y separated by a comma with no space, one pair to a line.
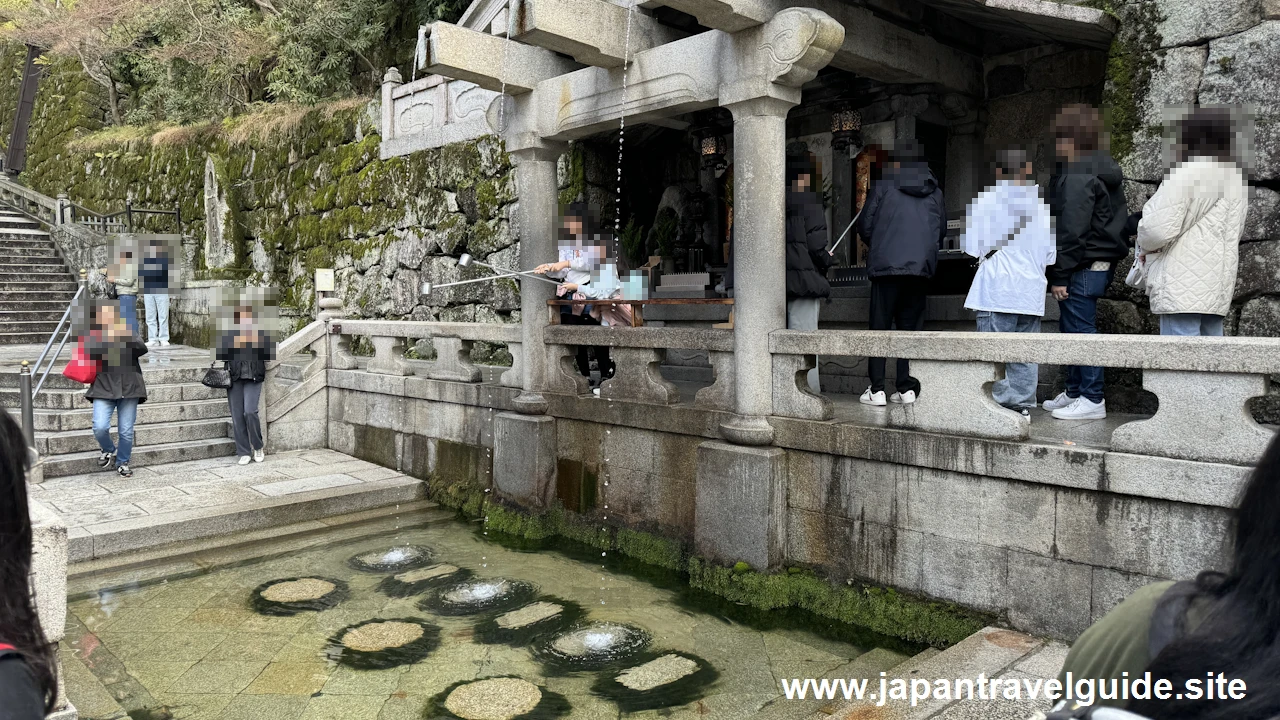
466,260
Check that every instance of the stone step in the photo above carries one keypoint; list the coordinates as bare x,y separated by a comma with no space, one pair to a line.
77,441
9,314
34,305
8,295
17,221
23,282
86,462
22,338
16,233
68,399
28,326
41,256
149,413
26,242
151,374
28,268
179,529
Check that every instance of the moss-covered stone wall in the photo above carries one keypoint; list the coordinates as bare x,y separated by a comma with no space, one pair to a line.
292,189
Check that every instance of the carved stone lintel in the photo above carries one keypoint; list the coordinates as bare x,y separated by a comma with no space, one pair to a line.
340,357
799,42
514,377
718,395
562,373
791,394
453,360
955,399
638,378
1202,416
388,356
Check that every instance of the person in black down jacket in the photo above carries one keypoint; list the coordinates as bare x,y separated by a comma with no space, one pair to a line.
28,667
118,388
1088,205
903,222
246,349
807,256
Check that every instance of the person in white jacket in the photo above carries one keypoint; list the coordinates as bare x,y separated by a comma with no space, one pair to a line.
580,253
1007,228
1189,236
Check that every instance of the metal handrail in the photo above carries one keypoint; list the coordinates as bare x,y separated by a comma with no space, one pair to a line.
29,396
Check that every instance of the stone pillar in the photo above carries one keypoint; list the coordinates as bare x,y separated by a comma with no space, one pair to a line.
844,188
536,188
390,81
524,459
966,162
759,260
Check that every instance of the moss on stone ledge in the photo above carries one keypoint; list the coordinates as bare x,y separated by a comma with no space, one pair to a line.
1130,63
882,610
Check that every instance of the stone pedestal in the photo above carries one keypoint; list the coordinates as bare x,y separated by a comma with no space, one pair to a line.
759,261
524,459
741,505
537,217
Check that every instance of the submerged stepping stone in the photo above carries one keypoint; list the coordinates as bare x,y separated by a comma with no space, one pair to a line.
479,595
656,673
595,645
397,558
667,680
525,624
499,698
289,596
529,614
383,643
413,582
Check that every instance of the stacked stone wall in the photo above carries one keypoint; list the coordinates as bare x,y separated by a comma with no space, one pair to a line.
266,200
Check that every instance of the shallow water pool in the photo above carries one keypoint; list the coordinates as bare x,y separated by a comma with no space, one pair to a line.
428,616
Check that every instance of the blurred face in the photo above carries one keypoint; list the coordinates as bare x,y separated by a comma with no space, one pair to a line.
108,315
244,316
574,226
1066,148
802,183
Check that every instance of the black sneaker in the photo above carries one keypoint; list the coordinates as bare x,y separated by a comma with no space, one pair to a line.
106,460
124,470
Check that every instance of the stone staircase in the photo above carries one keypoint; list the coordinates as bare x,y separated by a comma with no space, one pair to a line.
35,286
181,420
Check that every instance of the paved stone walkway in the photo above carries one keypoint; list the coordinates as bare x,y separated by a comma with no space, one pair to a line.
107,514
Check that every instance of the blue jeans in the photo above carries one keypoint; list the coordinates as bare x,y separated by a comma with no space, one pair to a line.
1018,388
129,311
127,410
1079,314
157,308
1191,324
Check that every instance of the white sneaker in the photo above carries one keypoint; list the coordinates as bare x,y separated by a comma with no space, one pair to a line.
1082,409
1058,403
905,398
164,343
244,460
152,343
872,398
259,455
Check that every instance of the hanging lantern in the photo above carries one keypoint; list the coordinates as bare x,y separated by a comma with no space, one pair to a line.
846,127
713,150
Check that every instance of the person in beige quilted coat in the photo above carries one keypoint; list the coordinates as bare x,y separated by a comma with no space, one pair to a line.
1190,231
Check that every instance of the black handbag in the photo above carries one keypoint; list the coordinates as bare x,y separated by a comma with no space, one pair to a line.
217,378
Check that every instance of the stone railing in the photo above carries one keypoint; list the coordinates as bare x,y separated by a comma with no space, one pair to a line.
452,342
1202,384
283,395
638,354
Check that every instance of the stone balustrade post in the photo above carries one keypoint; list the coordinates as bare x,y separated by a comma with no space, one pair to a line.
390,81
453,360
759,262
388,356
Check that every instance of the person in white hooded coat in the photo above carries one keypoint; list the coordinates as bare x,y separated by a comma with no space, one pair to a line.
1007,228
1189,236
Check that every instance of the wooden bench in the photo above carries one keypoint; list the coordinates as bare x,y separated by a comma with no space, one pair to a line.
637,316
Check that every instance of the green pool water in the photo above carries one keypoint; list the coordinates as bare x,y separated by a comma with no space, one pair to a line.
191,637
